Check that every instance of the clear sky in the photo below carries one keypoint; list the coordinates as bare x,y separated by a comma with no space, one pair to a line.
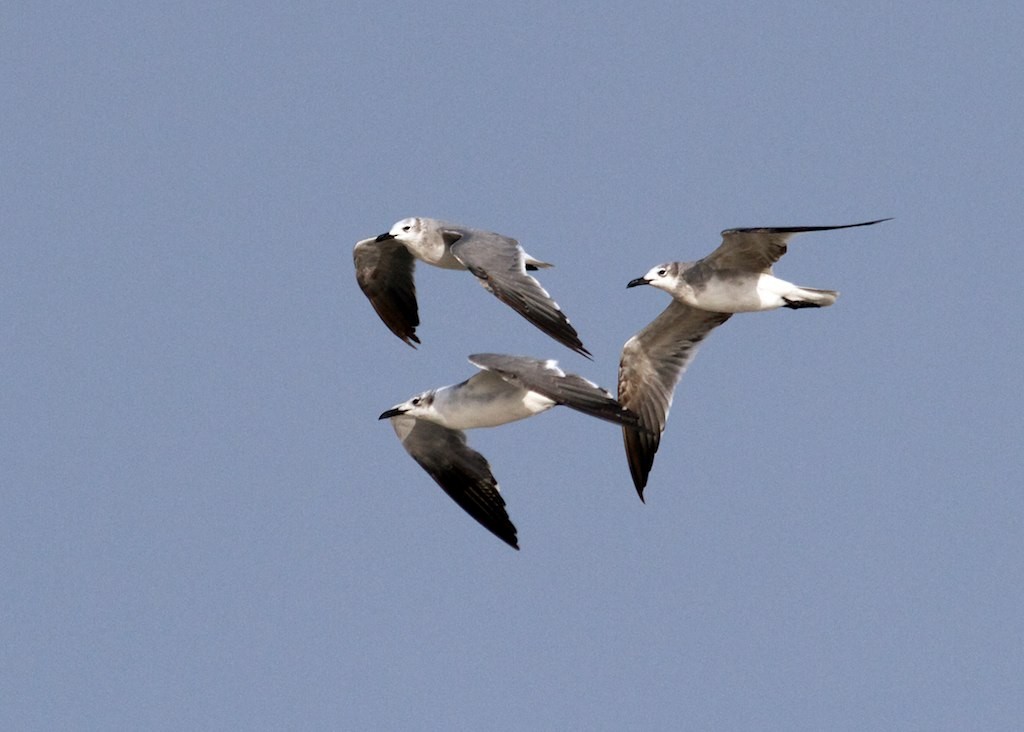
203,524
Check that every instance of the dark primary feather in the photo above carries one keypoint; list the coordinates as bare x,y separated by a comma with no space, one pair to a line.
384,271
652,363
462,472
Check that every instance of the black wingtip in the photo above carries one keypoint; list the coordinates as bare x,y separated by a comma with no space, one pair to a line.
572,343
863,223
639,479
509,537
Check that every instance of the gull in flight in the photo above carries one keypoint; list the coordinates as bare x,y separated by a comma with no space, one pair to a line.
735,278
508,388
384,270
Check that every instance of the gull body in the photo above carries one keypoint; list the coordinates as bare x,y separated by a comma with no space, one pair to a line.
483,400
736,277
508,388
731,291
384,270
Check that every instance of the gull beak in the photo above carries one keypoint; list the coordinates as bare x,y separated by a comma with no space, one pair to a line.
393,412
385,236
638,281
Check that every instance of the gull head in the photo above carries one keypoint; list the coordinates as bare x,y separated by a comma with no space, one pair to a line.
412,229
420,406
664,277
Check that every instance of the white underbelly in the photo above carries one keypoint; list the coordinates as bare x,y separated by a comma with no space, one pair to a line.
731,296
495,409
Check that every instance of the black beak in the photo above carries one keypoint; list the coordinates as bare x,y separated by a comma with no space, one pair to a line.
637,281
391,413
385,236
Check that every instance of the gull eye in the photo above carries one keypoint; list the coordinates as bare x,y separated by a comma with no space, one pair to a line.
406,228
415,402
662,272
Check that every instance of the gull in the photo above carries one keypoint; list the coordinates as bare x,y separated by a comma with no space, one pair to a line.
735,278
384,270
508,388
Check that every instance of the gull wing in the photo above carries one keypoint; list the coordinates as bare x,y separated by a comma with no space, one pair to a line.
462,472
500,264
545,378
756,250
384,271
652,363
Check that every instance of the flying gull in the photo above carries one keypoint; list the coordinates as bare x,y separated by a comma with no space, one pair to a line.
508,388
735,278
384,270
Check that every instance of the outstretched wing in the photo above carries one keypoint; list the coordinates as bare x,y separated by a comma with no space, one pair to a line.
500,264
462,472
384,271
756,250
652,363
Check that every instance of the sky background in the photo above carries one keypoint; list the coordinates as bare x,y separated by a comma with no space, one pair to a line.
203,524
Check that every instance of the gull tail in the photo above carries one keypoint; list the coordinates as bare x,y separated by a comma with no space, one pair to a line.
808,297
532,265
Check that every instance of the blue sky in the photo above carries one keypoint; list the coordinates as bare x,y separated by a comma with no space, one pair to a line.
206,527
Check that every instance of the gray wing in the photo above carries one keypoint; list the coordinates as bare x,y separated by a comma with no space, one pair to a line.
756,250
652,363
544,377
462,472
384,272
500,264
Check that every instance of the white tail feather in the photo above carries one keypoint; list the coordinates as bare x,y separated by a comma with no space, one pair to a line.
811,296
